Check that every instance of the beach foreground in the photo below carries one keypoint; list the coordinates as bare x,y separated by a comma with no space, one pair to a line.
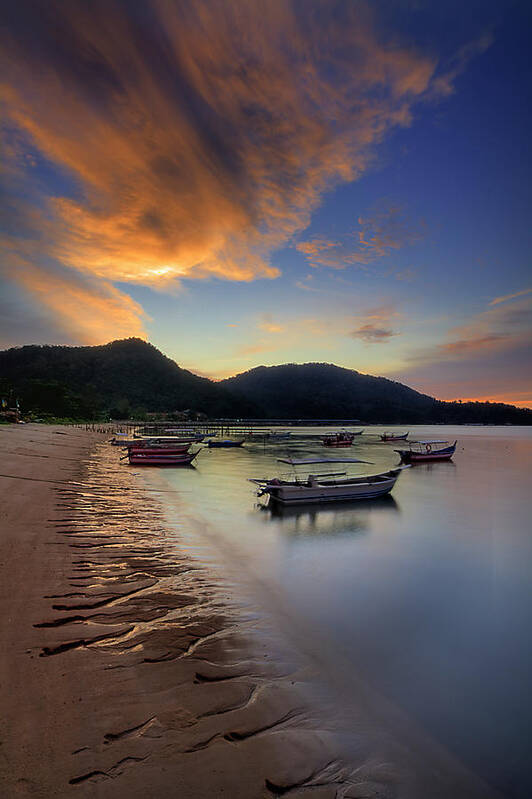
126,672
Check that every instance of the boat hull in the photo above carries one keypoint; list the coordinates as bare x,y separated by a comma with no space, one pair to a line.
224,444
407,456
144,459
182,449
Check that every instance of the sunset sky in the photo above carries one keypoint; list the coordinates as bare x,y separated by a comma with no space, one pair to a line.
259,182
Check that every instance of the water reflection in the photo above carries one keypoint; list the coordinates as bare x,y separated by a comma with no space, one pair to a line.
349,518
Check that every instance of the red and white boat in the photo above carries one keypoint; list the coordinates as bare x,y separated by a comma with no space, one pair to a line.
160,456
427,451
341,439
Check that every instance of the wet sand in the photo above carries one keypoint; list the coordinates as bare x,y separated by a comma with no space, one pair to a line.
128,671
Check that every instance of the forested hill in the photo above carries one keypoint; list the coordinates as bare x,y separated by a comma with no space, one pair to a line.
125,379
325,391
128,378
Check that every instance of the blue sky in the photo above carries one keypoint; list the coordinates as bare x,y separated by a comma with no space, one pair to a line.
247,184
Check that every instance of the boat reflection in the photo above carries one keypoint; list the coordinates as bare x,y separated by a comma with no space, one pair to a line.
333,519
436,466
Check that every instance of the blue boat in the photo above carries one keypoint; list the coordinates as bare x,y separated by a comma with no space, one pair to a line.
426,451
228,442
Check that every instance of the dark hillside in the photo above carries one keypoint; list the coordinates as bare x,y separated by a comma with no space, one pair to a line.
124,377
325,391
128,378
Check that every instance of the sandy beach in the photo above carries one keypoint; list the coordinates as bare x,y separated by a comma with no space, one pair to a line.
126,673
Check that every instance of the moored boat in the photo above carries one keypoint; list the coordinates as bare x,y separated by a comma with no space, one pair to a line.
394,436
328,486
427,451
155,449
341,439
160,457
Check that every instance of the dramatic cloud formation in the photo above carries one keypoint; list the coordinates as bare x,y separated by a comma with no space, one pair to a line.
153,141
385,230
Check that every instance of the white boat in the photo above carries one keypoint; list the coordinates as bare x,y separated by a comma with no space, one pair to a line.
326,486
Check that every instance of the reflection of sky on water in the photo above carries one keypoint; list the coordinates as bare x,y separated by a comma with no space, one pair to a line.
427,594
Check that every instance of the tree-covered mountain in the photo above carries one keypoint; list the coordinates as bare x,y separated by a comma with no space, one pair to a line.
123,379
128,378
325,391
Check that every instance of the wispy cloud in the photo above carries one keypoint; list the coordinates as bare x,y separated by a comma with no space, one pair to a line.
486,357
372,334
508,297
189,140
443,83
407,274
269,325
498,327
385,230
372,327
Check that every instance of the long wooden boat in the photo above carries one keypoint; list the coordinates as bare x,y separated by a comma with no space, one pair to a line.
394,436
164,457
329,486
341,439
427,451
228,442
153,441
166,440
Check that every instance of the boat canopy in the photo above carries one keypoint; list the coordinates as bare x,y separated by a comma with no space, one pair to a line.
306,461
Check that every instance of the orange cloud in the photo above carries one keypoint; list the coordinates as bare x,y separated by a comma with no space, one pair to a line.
268,325
191,140
465,346
315,246
93,313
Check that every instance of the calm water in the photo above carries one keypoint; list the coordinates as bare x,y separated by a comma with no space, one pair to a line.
425,595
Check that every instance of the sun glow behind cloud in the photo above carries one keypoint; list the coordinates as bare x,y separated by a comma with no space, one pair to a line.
195,138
